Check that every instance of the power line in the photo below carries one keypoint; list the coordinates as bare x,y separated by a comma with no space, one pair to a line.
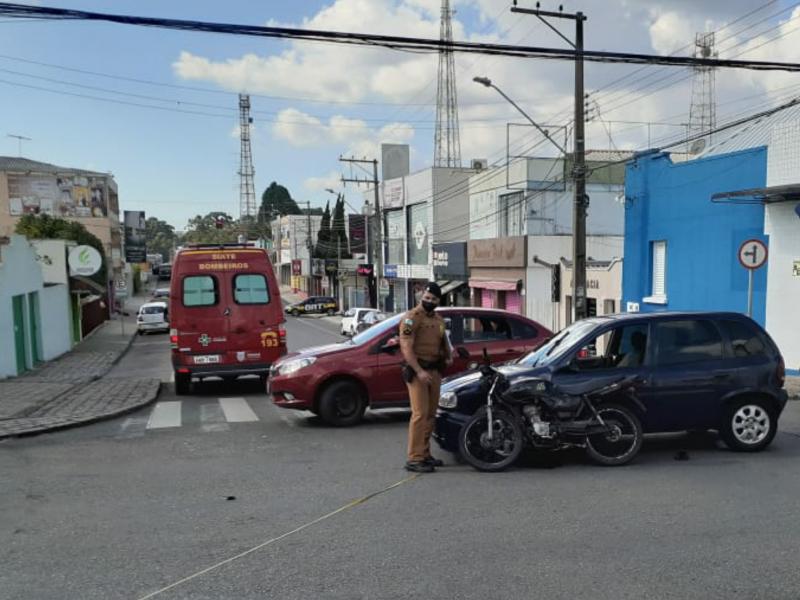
391,42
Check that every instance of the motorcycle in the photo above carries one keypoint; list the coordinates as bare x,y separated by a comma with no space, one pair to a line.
533,412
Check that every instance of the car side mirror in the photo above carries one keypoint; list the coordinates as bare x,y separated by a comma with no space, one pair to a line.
462,352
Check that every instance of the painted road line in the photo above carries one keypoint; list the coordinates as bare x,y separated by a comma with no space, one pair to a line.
165,414
133,427
212,418
237,410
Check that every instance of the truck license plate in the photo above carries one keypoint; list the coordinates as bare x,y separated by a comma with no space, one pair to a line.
206,359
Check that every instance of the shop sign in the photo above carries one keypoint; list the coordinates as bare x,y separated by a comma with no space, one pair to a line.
499,252
365,270
297,267
390,271
450,260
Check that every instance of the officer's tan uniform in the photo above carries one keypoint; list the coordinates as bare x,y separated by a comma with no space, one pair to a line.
427,334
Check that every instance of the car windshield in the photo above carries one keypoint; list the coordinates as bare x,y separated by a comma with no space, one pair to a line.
152,310
376,330
559,344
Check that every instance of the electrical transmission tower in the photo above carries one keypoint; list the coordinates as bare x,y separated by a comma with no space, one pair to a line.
247,191
447,140
703,111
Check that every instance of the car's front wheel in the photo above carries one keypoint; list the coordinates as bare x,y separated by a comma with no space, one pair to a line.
342,404
749,425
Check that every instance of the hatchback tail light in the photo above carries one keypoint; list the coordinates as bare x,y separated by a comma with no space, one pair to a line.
173,338
780,372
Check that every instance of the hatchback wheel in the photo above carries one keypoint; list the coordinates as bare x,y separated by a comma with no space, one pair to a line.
342,404
749,425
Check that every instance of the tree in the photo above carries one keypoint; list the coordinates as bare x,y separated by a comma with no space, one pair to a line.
276,200
339,231
161,237
45,227
323,247
212,228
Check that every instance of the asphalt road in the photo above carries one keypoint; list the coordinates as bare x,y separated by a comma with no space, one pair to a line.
241,498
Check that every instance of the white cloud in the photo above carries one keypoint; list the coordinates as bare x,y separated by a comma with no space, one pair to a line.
303,130
543,88
333,180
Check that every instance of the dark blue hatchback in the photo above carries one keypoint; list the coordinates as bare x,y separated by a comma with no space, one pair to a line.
717,371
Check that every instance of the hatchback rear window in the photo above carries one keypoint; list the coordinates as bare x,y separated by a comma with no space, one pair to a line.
682,342
744,340
250,289
153,310
200,290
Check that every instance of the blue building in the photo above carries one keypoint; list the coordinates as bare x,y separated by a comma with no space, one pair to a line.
681,249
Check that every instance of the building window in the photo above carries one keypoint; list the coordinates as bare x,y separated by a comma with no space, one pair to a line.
658,273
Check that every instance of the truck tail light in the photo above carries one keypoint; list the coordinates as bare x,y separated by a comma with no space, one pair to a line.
173,339
780,372
282,335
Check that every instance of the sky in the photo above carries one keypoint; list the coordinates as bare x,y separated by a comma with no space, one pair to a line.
159,108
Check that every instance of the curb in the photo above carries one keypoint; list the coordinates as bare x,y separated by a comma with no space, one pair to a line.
88,421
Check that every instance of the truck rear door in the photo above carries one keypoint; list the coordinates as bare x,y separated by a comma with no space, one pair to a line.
200,322
255,333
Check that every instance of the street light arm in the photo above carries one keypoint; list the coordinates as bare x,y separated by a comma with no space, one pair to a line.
488,83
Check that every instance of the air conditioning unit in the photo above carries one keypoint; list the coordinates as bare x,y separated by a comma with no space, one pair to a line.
479,164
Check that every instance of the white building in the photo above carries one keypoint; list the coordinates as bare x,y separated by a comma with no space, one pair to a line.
34,316
549,277
535,196
418,209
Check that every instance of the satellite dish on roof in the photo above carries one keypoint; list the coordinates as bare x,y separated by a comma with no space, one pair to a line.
698,146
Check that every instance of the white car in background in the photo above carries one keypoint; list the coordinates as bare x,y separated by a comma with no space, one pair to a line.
153,316
353,317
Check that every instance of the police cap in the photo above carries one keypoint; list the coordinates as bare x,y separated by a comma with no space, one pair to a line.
434,289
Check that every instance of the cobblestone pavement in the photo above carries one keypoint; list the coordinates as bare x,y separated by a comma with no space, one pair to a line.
99,399
21,396
75,367
73,389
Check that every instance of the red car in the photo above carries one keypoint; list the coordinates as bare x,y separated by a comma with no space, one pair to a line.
338,382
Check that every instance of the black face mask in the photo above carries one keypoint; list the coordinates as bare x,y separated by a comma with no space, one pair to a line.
428,307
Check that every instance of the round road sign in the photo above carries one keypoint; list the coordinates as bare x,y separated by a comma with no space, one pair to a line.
753,254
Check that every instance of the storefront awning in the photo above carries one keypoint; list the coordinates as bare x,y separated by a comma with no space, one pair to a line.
508,285
450,286
766,195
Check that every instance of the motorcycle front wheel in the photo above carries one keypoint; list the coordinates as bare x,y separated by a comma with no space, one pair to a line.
493,454
621,443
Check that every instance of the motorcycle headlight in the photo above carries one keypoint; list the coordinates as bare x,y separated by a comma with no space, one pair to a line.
293,366
448,400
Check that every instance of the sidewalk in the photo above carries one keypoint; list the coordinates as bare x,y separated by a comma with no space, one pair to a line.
793,387
74,389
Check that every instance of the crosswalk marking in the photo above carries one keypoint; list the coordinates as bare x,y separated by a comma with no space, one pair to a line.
212,418
165,414
237,410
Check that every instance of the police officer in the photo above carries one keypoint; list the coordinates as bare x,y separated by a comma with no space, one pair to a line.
426,351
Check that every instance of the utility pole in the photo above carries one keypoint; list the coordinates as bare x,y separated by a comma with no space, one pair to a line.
376,256
579,303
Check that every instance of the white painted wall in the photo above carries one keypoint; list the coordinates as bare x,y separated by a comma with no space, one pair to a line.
549,204
551,249
20,273
56,320
782,225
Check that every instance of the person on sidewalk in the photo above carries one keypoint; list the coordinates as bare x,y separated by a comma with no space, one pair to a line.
426,352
